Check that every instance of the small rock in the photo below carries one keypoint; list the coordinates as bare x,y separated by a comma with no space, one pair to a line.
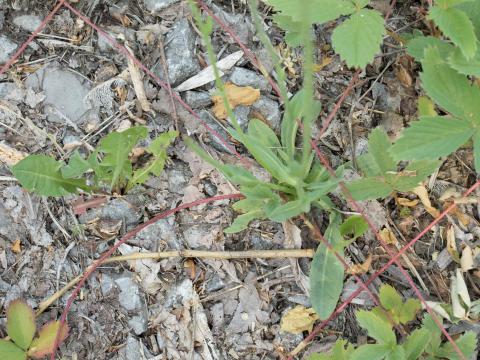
134,349
155,6
117,209
138,324
64,93
218,316
198,99
28,22
177,180
106,284
117,33
240,23
11,91
179,52
161,230
244,77
241,114
7,48
215,282
2,17
129,296
270,110
215,142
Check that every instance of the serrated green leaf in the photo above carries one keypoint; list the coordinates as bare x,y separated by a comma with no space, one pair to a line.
41,174
465,66
357,40
476,150
21,323
455,24
397,353
338,352
355,226
376,327
416,47
293,37
466,343
44,343
313,11
414,173
361,3
416,344
76,167
370,352
117,146
158,148
369,188
472,9
378,145
326,273
449,89
10,351
389,297
408,310
431,137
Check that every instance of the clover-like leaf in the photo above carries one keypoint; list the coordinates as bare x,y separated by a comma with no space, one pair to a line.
45,342
21,323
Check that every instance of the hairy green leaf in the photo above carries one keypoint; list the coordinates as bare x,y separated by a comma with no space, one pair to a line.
289,210
416,47
158,149
76,167
10,351
463,65
370,352
313,11
426,107
241,222
414,173
338,352
455,24
389,297
449,89
476,149
354,225
41,174
467,344
431,137
472,9
408,310
369,188
376,327
326,273
416,343
21,323
358,38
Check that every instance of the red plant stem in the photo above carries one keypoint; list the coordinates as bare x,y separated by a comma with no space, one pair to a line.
125,238
162,84
31,37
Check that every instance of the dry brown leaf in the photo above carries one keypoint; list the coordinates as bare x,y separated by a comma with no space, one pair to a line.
388,236
325,61
466,261
422,193
16,247
407,202
451,245
9,155
404,76
298,319
359,269
236,95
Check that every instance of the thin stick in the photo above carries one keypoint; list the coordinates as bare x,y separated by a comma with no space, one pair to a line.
264,254
137,82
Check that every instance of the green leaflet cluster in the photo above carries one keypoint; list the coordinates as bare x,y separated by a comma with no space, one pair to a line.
21,329
357,40
447,68
423,343
109,163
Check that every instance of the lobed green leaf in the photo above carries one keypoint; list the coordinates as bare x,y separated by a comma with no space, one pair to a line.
10,351
21,323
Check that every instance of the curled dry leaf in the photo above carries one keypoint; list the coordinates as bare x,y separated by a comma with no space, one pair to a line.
451,245
359,269
236,95
298,319
407,202
388,236
422,193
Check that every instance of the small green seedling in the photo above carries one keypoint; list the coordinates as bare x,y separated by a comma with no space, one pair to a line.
423,343
109,163
21,329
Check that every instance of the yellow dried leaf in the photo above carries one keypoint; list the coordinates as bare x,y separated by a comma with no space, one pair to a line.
422,194
236,95
10,156
388,236
298,319
451,245
325,61
407,202
359,269
16,247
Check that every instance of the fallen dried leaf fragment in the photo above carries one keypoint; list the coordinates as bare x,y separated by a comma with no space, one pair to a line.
388,236
451,245
359,269
407,202
466,260
298,319
236,95
9,155
16,246
422,193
